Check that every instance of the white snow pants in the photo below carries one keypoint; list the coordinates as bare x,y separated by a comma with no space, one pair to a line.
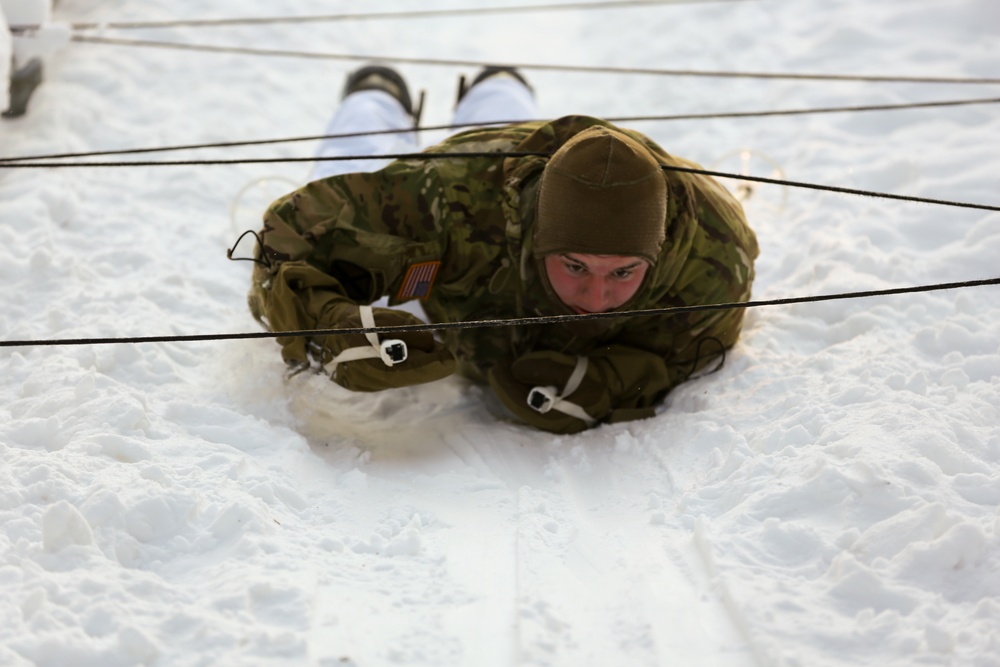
18,51
495,99
6,60
43,41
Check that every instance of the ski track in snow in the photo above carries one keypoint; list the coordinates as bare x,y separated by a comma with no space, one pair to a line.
829,498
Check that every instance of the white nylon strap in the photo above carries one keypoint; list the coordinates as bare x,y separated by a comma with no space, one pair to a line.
573,410
373,351
368,322
353,354
559,402
576,377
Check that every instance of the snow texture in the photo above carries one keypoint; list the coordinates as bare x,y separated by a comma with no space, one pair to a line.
27,12
829,498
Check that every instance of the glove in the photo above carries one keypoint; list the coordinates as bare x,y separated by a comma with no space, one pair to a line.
426,359
534,387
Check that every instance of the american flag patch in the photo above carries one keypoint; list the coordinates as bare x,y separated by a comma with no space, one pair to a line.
418,281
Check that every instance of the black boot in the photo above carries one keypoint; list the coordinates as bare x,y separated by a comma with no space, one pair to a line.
386,79
22,84
489,72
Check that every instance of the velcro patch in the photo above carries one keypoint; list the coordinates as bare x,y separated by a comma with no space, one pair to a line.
418,281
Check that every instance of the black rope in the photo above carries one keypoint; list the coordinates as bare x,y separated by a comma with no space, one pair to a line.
833,188
453,126
330,18
534,66
499,155
697,358
264,261
268,160
520,321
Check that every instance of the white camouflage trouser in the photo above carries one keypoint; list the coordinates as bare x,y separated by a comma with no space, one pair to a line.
499,98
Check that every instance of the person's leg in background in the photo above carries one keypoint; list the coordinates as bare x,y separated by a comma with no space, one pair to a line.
496,95
23,52
376,99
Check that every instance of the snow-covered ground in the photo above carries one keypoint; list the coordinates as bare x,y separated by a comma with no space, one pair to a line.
829,498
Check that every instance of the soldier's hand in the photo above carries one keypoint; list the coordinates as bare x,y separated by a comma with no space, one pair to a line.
534,387
426,360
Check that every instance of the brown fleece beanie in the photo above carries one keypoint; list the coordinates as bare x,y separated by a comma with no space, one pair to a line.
602,193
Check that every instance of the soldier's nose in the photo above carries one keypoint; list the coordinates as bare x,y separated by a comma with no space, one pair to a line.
594,298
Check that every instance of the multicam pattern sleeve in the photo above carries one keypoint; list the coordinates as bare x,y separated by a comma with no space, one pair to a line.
356,238
343,239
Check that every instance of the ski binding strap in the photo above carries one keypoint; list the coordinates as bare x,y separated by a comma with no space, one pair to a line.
545,398
391,351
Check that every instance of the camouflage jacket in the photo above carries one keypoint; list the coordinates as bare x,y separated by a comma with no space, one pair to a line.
465,225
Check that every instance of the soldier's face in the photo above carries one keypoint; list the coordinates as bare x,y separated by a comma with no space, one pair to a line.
595,283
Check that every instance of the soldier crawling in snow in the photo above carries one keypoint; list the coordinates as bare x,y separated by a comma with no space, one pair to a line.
596,227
